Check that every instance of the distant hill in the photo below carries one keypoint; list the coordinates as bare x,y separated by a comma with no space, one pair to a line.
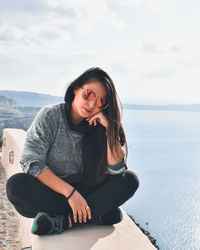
31,98
7,102
13,116
39,100
190,107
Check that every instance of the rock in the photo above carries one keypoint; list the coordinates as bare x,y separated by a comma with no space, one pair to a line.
153,241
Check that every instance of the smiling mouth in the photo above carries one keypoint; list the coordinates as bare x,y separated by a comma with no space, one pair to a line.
87,110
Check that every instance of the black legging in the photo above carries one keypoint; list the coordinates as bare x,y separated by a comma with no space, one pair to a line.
30,196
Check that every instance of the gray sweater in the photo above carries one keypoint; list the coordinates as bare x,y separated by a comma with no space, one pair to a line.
51,143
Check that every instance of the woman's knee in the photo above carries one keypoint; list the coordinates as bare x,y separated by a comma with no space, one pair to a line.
15,185
131,180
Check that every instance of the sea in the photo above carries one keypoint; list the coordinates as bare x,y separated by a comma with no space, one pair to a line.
164,152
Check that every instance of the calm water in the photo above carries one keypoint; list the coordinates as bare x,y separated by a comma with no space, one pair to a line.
164,151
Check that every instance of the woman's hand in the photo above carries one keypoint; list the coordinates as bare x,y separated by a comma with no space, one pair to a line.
100,117
80,206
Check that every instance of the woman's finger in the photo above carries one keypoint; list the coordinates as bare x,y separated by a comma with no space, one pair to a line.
93,117
98,117
88,212
70,221
84,215
80,215
75,215
91,120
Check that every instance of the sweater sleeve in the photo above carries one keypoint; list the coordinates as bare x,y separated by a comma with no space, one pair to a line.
117,168
39,139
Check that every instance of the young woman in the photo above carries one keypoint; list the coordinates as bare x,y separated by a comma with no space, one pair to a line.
74,160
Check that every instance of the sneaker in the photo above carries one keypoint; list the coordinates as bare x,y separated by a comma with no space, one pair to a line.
110,218
49,224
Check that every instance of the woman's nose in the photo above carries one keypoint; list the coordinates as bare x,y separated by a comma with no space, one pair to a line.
92,103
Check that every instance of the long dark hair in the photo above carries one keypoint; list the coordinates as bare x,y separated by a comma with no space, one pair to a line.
94,144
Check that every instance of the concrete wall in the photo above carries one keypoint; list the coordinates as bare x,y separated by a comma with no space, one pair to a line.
13,142
122,236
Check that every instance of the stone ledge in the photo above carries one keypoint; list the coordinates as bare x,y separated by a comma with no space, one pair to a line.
124,235
9,233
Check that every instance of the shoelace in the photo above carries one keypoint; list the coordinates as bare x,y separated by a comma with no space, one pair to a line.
97,220
57,224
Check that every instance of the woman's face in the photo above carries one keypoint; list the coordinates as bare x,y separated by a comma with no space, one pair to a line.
85,108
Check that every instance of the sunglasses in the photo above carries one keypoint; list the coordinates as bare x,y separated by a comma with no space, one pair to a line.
89,95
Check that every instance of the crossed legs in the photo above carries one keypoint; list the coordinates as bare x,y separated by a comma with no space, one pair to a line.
29,196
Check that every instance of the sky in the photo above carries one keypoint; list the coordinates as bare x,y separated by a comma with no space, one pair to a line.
150,48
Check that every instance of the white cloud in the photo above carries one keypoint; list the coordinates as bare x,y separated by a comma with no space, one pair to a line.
177,48
164,72
58,20
153,5
149,47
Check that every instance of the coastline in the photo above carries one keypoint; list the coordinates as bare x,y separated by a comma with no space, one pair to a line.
153,241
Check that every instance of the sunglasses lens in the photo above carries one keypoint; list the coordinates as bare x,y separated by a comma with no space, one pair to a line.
90,95
86,94
101,103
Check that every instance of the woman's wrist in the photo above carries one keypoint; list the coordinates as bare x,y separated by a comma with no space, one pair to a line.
74,189
67,190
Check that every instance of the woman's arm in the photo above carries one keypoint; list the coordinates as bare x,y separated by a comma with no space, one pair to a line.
48,178
117,154
115,157
76,201
40,137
